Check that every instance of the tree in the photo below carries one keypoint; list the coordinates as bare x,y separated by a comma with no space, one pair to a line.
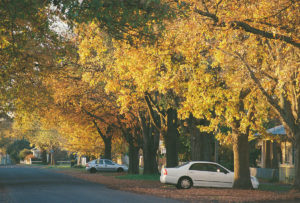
97,53
28,49
36,131
24,153
15,148
201,142
167,124
5,130
125,20
263,44
150,144
132,136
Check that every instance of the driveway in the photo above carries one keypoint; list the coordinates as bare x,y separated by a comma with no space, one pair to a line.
25,184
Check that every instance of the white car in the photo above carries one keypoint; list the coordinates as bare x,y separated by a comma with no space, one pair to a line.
104,165
200,173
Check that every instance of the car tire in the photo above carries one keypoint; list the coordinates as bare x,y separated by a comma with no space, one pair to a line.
184,183
120,170
93,170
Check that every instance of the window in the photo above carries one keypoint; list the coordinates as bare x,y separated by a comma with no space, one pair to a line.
99,161
216,168
108,162
221,169
212,168
198,167
208,167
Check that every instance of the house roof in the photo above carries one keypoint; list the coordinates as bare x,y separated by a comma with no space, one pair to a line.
278,130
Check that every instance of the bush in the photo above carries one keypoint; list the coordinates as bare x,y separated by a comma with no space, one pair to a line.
73,162
24,153
14,149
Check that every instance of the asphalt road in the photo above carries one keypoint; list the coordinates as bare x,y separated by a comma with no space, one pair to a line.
24,184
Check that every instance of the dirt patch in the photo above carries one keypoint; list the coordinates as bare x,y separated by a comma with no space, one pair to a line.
192,195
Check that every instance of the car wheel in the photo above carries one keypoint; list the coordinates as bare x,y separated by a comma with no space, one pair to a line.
93,170
184,183
120,170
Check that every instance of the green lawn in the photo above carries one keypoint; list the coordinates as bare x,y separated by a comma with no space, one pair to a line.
58,166
139,177
64,167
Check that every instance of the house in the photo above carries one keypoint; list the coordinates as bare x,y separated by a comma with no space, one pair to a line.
36,153
278,152
4,159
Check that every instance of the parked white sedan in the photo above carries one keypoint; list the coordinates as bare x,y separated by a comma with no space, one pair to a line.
200,173
104,165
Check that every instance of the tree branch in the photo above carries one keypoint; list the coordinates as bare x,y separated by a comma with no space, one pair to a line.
270,99
247,28
156,107
151,113
207,14
94,116
99,131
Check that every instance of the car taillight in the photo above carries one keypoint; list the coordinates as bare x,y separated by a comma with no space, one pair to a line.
165,172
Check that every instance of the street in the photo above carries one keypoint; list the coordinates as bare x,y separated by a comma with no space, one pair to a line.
25,184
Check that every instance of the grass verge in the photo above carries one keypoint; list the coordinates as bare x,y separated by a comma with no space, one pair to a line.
63,167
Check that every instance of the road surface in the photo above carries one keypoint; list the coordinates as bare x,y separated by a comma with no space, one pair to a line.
26,184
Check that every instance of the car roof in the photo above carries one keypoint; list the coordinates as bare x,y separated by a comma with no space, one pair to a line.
102,159
206,162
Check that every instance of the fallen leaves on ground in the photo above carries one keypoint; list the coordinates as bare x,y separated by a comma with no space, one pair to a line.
193,195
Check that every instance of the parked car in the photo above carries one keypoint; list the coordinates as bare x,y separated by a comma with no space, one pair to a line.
200,173
104,165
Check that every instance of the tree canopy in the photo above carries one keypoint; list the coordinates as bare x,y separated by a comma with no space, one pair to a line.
141,67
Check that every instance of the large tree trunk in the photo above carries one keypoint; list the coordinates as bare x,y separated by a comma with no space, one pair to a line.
201,149
44,156
171,138
201,146
275,155
167,126
267,153
106,139
133,158
107,150
241,161
52,161
150,147
196,145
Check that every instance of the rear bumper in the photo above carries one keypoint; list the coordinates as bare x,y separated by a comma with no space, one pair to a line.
163,179
168,179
